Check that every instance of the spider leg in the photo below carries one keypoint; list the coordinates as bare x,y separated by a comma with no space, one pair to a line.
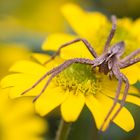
115,99
129,63
130,56
87,44
111,34
124,96
61,68
88,61
38,81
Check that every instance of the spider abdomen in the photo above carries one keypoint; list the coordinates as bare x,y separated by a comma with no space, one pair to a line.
103,68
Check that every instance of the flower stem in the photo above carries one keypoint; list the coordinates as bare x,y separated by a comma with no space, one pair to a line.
63,130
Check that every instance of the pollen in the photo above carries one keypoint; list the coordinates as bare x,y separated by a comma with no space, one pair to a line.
79,78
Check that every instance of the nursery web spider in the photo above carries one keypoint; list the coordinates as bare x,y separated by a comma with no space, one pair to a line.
109,62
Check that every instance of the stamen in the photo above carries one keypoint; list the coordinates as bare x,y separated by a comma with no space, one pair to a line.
79,78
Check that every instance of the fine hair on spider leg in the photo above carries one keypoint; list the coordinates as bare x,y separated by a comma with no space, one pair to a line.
109,62
111,34
55,71
87,44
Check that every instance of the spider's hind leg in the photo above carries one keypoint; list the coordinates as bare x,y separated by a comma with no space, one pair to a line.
115,101
121,78
124,96
38,81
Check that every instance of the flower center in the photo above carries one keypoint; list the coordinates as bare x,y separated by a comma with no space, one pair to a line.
79,78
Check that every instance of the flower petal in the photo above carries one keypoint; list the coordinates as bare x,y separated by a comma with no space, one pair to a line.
130,98
133,99
54,41
50,100
18,83
100,106
42,58
111,90
72,107
85,24
132,73
133,93
28,67
74,50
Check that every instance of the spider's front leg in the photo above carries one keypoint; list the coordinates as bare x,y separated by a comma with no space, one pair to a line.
60,68
87,44
42,78
56,71
38,81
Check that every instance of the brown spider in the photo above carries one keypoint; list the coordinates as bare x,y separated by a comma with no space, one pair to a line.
108,62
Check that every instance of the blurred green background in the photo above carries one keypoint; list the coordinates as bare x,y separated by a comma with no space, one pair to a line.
28,23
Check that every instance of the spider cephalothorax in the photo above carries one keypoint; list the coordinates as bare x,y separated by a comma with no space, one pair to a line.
108,62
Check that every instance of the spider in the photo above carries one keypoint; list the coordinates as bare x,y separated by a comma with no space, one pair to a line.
109,62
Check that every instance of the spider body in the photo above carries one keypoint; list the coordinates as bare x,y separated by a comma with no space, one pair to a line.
106,61
109,62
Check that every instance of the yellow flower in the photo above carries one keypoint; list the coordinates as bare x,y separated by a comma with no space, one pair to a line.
95,27
9,53
41,16
18,120
72,89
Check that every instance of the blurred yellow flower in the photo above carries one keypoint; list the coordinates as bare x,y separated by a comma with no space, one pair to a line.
18,120
42,16
78,85
73,88
95,27
10,53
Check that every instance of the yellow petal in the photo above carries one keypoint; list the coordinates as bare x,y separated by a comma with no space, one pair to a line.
42,58
16,80
111,90
132,73
50,100
72,107
133,99
75,50
18,116
85,24
120,119
100,107
28,67
21,82
130,98
54,41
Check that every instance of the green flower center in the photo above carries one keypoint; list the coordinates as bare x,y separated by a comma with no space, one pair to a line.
79,78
